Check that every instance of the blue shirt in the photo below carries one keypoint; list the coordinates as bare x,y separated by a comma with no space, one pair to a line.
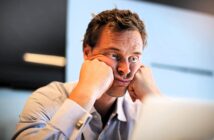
49,114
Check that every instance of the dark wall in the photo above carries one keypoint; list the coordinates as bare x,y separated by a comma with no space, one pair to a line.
35,26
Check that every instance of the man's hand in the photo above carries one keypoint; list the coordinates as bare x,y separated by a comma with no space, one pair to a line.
95,78
142,85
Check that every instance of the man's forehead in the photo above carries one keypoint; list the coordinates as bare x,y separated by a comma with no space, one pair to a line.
133,36
120,50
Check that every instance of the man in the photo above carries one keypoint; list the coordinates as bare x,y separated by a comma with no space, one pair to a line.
105,101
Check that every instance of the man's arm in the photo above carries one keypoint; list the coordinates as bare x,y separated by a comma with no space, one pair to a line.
48,114
46,117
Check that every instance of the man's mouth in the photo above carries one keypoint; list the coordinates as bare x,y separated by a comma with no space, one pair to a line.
123,82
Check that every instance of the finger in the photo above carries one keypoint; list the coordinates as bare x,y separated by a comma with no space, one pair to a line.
101,58
142,65
104,59
131,93
95,57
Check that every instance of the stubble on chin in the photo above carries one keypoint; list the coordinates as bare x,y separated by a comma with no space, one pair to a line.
117,91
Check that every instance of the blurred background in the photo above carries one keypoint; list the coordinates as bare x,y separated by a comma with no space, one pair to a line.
41,41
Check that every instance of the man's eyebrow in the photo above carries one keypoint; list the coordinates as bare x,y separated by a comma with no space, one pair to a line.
118,50
111,49
137,53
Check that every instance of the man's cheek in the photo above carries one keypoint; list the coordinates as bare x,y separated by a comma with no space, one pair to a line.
110,63
135,68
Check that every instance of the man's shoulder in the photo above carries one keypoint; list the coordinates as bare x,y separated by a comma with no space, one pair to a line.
55,90
46,101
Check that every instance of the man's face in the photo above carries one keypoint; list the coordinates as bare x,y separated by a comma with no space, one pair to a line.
122,52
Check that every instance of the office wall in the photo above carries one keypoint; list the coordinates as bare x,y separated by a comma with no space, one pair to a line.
11,104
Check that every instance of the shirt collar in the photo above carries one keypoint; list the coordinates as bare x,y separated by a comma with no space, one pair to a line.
93,110
119,110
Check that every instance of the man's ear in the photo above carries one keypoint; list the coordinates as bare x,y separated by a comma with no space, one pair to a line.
87,50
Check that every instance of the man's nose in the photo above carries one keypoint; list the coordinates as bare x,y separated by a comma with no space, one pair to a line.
123,69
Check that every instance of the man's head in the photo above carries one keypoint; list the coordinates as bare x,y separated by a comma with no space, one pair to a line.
118,21
117,37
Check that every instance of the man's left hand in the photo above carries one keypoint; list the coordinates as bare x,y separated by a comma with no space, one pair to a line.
142,84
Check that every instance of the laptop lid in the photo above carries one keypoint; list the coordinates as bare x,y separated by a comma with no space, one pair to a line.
175,119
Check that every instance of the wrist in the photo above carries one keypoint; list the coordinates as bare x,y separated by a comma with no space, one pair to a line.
84,97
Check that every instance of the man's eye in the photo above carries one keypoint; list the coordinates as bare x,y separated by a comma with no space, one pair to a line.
113,56
133,59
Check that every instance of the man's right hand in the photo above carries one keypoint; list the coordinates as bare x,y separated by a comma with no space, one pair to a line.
96,77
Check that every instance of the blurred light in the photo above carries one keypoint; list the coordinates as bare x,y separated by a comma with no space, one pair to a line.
45,59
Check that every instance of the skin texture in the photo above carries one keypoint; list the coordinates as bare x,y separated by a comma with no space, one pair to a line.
121,51
110,68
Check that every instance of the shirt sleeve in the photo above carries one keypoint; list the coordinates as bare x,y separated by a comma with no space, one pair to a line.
70,119
51,117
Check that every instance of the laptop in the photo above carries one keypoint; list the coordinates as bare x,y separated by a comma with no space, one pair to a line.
164,118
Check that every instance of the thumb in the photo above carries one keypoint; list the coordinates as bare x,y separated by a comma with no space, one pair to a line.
132,93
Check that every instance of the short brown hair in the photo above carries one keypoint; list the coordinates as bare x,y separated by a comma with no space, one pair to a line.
118,20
